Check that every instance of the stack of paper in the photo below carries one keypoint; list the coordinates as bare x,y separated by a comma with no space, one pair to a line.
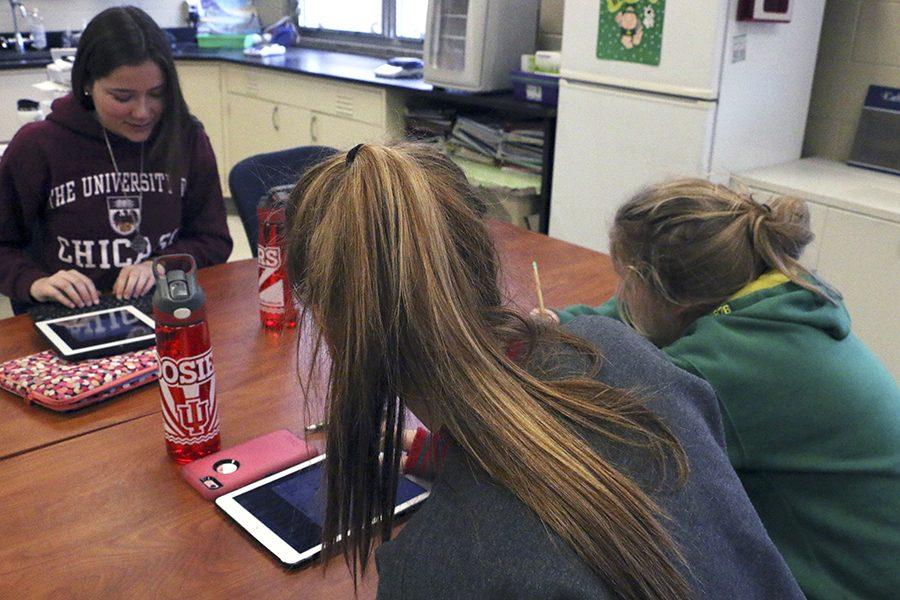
483,139
429,124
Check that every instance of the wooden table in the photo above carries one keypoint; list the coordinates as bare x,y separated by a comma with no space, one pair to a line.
93,507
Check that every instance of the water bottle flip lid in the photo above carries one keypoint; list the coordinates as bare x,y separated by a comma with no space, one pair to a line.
178,293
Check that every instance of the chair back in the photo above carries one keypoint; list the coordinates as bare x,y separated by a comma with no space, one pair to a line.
251,178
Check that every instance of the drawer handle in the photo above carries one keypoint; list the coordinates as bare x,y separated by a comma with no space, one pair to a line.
275,119
314,128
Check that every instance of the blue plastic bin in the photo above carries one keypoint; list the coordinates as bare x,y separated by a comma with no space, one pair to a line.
535,87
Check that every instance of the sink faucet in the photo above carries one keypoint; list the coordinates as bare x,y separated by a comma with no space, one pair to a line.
17,6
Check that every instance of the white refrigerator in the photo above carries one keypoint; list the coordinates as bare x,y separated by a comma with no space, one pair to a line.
725,96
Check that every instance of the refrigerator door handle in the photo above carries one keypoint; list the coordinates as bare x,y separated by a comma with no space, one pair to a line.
671,99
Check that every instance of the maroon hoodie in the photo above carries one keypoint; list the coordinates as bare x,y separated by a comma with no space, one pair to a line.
57,181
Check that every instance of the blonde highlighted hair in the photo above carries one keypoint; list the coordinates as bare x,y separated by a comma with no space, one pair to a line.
393,263
696,243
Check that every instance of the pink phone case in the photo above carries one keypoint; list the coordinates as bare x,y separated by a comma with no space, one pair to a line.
227,470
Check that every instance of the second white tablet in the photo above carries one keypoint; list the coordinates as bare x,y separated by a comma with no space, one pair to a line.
285,511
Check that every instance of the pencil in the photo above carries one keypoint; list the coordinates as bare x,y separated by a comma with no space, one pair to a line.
537,286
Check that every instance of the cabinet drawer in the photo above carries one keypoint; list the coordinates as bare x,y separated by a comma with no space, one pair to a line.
247,81
346,100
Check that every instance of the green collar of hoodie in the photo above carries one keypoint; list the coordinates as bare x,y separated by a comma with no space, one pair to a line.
773,297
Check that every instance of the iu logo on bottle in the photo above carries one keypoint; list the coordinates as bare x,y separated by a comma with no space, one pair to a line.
188,387
271,279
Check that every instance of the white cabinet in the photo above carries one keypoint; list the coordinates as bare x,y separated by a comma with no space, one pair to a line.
16,84
337,132
256,126
267,111
856,219
201,85
860,256
250,110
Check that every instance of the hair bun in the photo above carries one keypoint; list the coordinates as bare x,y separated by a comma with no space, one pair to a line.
788,224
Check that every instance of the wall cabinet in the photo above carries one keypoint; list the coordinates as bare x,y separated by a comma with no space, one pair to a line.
16,84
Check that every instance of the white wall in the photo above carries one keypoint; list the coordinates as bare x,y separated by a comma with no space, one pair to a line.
860,46
550,25
59,14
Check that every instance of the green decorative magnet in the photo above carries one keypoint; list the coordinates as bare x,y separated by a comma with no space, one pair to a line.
631,30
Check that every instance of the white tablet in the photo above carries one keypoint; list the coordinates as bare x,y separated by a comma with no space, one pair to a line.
285,512
99,333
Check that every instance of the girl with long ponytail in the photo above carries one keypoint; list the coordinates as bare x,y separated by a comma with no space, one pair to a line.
563,476
812,417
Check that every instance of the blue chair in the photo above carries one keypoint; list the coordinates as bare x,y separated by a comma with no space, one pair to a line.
252,177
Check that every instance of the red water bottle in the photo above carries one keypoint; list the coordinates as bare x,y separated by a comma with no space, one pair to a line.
276,305
187,379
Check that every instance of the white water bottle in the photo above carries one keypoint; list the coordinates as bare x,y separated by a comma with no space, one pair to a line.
38,33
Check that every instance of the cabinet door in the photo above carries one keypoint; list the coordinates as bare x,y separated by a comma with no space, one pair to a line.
662,137
257,126
201,86
860,256
13,86
343,134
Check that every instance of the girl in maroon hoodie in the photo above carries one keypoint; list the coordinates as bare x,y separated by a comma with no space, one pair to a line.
118,173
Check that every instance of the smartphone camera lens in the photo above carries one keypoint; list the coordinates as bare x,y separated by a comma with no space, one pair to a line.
210,482
226,466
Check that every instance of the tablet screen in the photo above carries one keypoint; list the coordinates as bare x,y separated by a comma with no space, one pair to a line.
87,331
293,506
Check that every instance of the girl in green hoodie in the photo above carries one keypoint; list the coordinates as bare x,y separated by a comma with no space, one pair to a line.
812,418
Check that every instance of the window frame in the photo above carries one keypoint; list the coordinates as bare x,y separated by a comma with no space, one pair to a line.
385,44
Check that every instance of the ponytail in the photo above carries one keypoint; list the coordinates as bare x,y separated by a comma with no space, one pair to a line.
397,270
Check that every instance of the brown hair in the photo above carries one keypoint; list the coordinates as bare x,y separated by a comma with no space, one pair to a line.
398,273
126,35
695,243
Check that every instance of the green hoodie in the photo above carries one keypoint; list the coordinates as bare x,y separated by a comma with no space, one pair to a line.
812,426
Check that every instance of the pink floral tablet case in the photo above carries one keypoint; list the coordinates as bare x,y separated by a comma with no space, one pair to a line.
46,379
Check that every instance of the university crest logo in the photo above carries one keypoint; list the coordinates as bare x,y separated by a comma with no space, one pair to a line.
124,213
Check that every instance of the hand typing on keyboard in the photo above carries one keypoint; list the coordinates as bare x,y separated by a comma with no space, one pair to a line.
68,287
134,280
